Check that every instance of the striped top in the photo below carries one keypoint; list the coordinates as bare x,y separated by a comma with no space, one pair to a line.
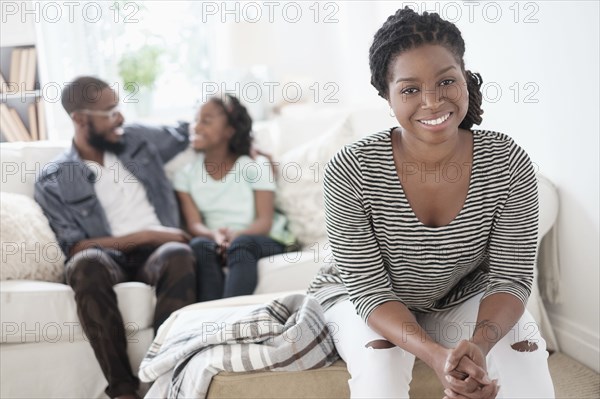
382,252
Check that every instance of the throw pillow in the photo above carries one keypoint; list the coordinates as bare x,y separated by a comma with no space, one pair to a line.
299,192
28,246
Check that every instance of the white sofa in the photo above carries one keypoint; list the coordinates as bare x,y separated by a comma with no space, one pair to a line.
43,352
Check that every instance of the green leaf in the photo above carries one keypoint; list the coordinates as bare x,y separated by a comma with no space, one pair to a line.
141,67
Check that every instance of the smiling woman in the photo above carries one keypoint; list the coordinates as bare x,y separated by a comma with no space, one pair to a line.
430,105
417,250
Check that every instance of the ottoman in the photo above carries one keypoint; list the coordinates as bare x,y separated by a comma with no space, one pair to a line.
329,382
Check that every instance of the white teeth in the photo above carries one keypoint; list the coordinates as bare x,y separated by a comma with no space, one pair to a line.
119,131
437,121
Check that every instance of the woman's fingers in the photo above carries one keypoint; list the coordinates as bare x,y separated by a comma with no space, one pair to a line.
464,348
468,388
458,374
474,370
471,385
466,375
491,390
468,369
454,357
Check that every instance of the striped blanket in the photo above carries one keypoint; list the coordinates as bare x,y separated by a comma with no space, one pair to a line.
286,334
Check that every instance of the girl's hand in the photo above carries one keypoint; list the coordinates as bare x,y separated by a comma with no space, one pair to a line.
229,235
224,236
221,241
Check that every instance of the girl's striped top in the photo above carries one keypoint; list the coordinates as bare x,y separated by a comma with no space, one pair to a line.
382,252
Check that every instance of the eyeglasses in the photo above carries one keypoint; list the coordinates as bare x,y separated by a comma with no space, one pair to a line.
112,113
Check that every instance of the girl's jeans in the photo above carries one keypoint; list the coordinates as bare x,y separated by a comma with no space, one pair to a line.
241,261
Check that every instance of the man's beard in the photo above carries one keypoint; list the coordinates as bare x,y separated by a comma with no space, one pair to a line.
98,141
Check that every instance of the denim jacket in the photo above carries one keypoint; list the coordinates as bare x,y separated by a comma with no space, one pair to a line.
65,188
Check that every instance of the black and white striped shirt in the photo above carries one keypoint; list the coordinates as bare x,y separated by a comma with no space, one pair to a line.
383,253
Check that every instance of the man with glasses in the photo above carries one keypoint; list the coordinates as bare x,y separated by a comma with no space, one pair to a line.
116,218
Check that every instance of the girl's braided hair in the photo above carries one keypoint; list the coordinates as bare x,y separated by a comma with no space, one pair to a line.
239,118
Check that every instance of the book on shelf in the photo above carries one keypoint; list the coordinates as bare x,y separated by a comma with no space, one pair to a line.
31,67
15,66
9,127
33,121
6,127
23,68
25,121
23,62
13,127
41,120
23,133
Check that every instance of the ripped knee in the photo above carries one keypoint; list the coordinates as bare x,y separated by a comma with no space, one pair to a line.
525,346
379,344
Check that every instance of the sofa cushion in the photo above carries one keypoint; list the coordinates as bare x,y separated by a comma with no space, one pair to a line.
28,245
300,183
23,161
36,311
291,270
297,124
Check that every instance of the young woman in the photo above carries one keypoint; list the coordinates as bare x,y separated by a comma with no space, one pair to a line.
433,229
227,199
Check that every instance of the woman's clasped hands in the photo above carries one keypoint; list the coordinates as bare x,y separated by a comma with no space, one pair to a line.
464,373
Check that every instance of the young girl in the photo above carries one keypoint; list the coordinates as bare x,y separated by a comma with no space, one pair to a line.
227,199
433,229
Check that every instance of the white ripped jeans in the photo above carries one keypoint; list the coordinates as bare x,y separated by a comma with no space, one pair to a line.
386,373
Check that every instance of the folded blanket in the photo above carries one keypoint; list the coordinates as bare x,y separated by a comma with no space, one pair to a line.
287,334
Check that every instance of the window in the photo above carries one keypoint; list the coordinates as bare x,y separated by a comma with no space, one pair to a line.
159,42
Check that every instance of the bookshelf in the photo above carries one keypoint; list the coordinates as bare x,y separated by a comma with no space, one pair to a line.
21,102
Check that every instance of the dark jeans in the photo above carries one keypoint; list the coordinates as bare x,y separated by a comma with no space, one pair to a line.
92,274
241,261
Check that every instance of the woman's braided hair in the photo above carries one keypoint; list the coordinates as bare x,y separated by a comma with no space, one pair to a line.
239,118
406,30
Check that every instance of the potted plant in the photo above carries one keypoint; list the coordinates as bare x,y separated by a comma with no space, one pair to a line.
139,70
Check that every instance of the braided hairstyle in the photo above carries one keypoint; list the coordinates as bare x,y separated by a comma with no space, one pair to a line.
239,118
406,30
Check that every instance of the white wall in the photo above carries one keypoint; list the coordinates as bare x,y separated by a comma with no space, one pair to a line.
15,32
553,59
559,55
